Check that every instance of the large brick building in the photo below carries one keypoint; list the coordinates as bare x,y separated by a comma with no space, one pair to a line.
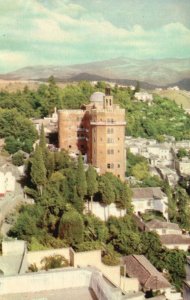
97,130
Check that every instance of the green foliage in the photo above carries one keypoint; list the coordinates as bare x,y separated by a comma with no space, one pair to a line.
91,178
123,235
17,130
132,161
182,152
81,184
140,171
28,224
151,247
183,208
175,261
95,229
106,190
18,159
12,144
110,260
152,181
38,170
54,262
88,246
71,227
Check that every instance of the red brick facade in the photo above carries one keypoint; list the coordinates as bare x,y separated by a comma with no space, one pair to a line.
97,131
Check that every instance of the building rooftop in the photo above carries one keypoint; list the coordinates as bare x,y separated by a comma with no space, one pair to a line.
147,193
83,293
149,277
172,239
154,224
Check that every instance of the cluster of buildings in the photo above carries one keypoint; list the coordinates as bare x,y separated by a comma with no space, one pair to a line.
97,130
162,157
86,277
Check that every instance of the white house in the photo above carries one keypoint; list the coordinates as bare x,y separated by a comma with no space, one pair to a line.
144,96
176,241
150,198
163,228
183,166
7,183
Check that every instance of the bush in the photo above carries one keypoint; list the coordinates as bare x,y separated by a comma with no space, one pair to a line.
54,262
18,159
110,259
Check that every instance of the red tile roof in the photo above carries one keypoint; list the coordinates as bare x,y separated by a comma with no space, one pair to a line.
149,277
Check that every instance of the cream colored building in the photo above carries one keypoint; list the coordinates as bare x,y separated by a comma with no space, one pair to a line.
183,166
148,198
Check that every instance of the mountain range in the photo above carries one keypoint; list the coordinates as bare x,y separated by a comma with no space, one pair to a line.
150,73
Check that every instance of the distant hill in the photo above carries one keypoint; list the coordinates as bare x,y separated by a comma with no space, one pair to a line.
162,72
180,97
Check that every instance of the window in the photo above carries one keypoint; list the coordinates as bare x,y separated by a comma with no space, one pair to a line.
118,165
110,141
70,146
110,166
110,151
110,130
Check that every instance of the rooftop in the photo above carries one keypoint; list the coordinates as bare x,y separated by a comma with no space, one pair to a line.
154,224
147,193
149,277
83,293
172,239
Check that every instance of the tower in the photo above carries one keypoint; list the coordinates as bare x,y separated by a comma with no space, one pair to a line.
98,131
108,136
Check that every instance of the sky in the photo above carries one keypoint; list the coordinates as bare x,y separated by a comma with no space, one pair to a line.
64,32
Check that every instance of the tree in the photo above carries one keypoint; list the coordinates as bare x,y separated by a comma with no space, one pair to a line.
81,184
92,183
140,171
175,261
42,140
38,170
106,191
183,201
151,247
71,227
125,198
76,201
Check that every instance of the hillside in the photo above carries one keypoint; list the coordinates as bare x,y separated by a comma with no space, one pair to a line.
162,72
180,97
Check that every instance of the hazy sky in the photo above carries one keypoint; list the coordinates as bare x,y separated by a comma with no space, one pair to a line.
61,32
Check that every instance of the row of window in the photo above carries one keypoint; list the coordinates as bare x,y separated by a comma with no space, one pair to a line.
111,166
109,140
